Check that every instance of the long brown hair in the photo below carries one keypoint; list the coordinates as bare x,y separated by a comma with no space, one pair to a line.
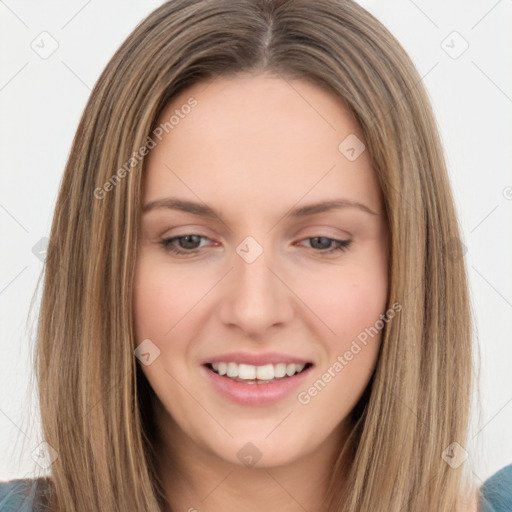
94,400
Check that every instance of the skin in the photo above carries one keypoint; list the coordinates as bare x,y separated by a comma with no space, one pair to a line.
254,147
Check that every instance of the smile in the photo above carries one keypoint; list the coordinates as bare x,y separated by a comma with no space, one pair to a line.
251,374
256,380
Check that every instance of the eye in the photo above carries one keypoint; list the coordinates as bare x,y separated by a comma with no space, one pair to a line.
327,245
189,244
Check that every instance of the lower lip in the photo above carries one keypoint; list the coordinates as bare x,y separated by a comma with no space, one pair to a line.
255,394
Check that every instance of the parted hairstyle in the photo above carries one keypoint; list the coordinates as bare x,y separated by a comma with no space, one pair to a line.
94,399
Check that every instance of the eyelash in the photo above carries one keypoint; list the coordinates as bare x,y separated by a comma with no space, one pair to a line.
167,244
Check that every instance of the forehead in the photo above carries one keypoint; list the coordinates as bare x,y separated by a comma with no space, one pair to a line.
258,138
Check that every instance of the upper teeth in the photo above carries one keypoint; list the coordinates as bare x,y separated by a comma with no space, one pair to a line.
250,372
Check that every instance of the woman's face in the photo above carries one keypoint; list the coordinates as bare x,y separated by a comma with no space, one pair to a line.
280,284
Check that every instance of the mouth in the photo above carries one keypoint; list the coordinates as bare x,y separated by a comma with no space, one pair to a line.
256,380
257,375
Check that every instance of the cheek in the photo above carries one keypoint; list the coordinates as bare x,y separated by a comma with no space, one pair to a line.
349,299
162,302
162,296
352,304
362,302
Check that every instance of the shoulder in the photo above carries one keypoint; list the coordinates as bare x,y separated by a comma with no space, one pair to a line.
496,492
22,494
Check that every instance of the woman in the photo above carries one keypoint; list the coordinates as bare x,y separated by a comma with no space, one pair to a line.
254,293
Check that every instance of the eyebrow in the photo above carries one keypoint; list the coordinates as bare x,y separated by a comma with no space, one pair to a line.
203,210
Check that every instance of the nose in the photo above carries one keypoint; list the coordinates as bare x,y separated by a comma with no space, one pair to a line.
255,296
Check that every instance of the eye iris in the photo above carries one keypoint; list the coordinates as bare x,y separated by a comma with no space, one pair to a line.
325,245
191,241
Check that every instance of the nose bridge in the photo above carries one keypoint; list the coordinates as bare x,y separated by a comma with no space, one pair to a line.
257,299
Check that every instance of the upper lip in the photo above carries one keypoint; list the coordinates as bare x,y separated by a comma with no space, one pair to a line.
260,359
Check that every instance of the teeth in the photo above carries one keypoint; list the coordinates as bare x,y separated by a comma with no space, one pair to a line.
232,370
249,372
223,368
265,372
244,371
280,370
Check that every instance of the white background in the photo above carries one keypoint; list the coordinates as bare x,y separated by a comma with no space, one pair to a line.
41,101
